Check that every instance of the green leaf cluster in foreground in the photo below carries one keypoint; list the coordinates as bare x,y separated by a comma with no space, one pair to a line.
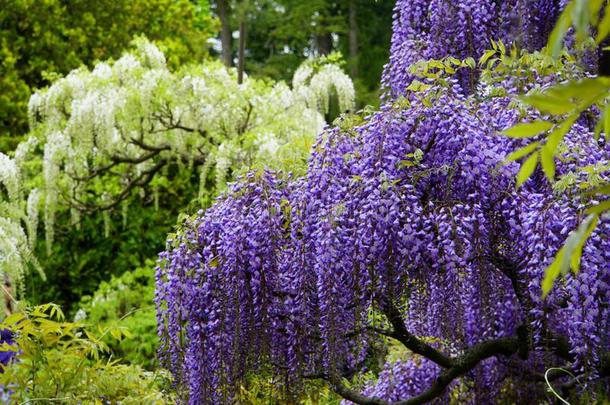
64,362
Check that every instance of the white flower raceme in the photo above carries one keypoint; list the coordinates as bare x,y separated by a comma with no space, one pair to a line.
18,224
317,87
112,129
9,177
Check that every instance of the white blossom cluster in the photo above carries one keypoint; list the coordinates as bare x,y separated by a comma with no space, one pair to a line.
18,226
106,129
317,86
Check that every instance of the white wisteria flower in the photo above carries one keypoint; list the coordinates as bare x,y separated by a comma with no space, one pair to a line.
108,132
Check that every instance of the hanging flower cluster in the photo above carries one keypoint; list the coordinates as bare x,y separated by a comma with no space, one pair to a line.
411,217
118,127
18,224
409,228
433,29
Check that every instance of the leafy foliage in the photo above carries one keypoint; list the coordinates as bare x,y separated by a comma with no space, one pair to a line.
59,361
126,302
43,38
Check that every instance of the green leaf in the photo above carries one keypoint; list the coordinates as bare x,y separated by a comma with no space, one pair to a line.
13,319
527,168
605,189
547,104
470,62
454,61
599,208
502,47
519,153
581,18
548,163
569,255
488,54
594,9
528,129
552,272
417,85
572,88
603,29
555,43
582,93
557,135
116,333
584,232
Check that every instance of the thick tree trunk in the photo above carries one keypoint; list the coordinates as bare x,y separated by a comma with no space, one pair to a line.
242,50
224,12
353,38
324,43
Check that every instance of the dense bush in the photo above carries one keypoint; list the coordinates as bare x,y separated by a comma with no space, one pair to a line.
407,226
61,362
127,302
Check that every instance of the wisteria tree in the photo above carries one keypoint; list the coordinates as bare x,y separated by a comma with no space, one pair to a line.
408,230
125,126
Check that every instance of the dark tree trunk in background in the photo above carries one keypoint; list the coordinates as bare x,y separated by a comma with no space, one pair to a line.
353,38
224,12
242,51
604,59
324,43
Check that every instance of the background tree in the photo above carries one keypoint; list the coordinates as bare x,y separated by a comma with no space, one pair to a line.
40,38
162,141
282,33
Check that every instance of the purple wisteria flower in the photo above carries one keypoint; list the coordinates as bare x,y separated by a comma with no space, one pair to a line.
407,226
433,29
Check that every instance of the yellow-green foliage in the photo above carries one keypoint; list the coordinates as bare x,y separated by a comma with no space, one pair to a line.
62,362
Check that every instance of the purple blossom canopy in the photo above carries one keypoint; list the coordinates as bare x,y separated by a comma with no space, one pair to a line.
433,29
407,227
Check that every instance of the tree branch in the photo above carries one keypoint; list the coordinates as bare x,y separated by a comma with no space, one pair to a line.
409,340
454,367
144,178
460,366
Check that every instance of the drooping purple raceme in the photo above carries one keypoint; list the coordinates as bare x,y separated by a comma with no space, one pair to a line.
433,29
414,210
282,275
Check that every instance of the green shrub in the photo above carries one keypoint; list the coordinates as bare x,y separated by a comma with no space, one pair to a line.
63,362
126,302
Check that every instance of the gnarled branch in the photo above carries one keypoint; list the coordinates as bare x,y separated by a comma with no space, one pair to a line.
459,367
